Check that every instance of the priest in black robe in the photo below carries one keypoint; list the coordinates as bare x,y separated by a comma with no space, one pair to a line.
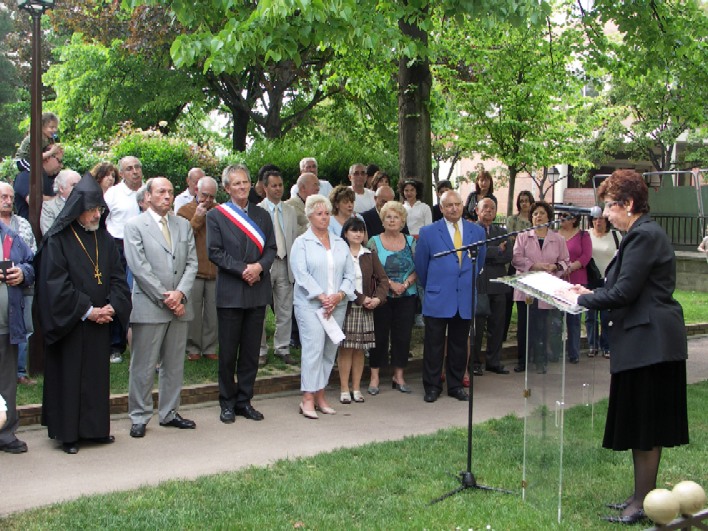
80,289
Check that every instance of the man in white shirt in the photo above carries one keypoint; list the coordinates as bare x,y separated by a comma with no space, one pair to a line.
123,206
364,198
309,165
188,195
285,227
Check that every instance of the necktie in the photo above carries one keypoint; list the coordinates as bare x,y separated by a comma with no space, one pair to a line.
166,231
279,236
457,242
6,247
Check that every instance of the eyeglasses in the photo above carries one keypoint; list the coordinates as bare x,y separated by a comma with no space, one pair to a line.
60,161
133,167
99,210
610,204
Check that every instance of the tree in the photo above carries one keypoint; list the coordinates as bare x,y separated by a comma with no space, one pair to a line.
655,66
98,87
516,91
9,91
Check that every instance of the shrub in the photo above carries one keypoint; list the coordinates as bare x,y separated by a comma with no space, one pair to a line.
334,156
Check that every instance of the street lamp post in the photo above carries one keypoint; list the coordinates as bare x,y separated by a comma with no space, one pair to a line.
553,176
36,8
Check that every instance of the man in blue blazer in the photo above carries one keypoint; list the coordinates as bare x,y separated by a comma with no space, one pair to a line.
447,303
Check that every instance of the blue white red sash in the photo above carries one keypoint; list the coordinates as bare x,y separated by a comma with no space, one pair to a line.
239,218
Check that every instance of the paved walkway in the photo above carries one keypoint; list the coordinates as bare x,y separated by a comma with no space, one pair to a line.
47,475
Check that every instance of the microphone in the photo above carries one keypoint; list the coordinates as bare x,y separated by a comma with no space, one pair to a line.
594,212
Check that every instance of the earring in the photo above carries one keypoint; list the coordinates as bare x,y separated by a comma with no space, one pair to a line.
629,214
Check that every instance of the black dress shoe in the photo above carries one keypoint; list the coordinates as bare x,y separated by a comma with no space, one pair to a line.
519,368
431,396
498,370
137,430
110,439
477,371
249,412
178,422
71,448
227,416
634,518
459,394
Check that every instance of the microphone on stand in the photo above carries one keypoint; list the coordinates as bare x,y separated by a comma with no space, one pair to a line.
573,211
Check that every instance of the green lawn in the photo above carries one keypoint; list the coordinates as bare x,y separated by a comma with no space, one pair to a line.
389,485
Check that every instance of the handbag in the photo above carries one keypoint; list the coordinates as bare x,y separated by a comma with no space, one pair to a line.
483,308
595,279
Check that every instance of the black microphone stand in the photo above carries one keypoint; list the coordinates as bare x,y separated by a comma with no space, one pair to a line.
466,477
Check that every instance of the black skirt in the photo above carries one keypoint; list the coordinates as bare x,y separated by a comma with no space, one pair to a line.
647,408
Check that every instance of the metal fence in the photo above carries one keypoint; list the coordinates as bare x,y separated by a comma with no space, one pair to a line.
685,231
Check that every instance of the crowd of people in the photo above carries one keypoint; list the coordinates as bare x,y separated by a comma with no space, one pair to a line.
346,269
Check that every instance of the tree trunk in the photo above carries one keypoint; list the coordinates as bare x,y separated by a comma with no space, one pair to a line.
414,135
513,171
240,130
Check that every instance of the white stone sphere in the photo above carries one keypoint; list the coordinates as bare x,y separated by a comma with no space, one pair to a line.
690,495
661,506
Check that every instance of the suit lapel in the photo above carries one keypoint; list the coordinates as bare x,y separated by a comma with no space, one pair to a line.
154,230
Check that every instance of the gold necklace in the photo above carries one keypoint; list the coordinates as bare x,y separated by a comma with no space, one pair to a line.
96,272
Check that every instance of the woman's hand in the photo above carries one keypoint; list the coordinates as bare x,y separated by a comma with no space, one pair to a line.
397,288
330,302
548,268
371,303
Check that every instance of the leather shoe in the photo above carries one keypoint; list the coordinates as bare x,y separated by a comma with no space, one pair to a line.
26,380
630,519
211,356
477,371
498,370
71,448
459,394
227,416
431,396
14,447
137,430
178,422
519,368
249,412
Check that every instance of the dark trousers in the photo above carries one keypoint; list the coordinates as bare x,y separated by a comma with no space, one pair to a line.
457,331
8,388
493,326
119,335
239,346
393,326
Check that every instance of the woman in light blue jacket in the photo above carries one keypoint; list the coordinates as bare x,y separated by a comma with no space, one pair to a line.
324,282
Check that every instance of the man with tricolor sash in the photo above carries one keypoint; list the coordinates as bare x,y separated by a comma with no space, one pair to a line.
241,242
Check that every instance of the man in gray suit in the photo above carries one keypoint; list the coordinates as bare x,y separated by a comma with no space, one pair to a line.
161,253
63,185
285,227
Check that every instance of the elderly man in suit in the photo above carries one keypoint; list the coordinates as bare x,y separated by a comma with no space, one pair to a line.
499,255
63,185
447,303
161,253
285,228
241,242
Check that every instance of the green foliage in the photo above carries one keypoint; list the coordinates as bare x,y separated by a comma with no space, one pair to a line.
163,156
334,154
10,111
655,66
99,87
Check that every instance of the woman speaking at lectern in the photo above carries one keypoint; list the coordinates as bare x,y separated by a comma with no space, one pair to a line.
647,409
